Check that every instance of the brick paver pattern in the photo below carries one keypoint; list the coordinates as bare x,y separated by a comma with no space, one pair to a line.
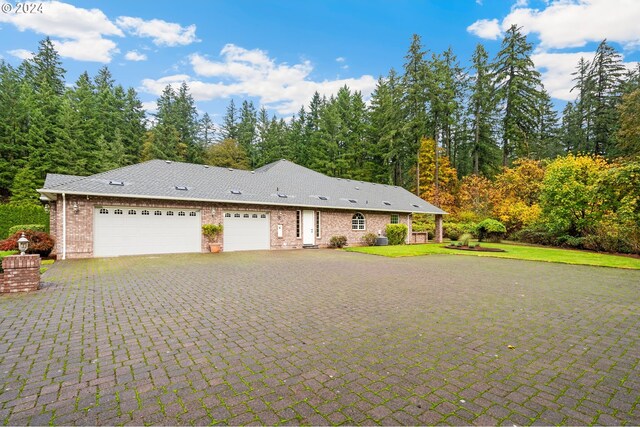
322,337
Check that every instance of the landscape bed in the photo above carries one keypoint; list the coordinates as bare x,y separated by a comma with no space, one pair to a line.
512,251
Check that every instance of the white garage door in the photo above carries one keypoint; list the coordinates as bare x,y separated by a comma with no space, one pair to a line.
120,230
245,231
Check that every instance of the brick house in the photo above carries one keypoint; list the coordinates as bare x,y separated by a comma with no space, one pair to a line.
160,206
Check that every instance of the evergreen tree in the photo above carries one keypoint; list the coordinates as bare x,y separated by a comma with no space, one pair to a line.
246,131
482,104
23,190
520,90
229,128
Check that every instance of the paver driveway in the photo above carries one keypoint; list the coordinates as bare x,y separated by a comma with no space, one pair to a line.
322,337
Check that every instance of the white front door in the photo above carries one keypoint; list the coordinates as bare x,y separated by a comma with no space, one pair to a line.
308,228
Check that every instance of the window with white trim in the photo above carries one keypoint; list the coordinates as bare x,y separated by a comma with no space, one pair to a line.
104,211
145,212
298,218
132,212
118,212
181,213
318,224
395,219
158,213
192,214
357,221
169,213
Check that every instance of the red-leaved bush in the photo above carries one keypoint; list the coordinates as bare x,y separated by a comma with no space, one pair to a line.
39,242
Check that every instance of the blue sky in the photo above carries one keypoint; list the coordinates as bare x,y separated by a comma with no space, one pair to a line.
277,53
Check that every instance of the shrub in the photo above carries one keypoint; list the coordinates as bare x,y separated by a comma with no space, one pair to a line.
567,241
39,242
369,239
537,235
490,229
11,215
212,231
397,233
452,230
338,242
35,227
465,239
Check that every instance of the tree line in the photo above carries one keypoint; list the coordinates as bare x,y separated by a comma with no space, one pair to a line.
480,118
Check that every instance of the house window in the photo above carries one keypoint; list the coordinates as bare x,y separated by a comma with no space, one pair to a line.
318,224
192,214
157,213
181,213
118,212
104,211
236,215
298,215
357,221
246,215
227,215
145,212
254,216
263,216
394,219
132,212
169,213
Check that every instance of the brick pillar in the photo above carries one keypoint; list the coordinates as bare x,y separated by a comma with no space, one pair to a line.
21,273
438,236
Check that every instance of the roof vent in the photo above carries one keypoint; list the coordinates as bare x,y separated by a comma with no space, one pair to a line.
353,201
236,192
322,197
416,206
168,162
253,172
357,188
387,203
339,179
231,169
206,166
181,188
116,183
284,196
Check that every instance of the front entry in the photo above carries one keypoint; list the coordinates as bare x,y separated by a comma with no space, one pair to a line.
308,229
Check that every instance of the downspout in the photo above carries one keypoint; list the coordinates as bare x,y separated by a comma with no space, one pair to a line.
64,226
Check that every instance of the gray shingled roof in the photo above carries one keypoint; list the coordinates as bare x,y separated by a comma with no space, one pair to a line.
159,179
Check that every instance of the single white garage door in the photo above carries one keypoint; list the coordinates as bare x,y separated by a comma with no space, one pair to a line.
245,231
120,230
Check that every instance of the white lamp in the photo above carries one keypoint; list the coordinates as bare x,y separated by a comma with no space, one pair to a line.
23,244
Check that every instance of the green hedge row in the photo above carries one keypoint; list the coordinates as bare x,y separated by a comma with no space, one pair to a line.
11,215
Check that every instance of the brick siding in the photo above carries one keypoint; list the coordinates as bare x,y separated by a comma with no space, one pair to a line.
21,273
79,240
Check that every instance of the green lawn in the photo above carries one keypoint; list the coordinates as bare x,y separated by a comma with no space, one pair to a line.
7,253
530,253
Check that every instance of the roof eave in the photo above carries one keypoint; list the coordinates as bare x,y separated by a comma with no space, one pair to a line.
50,194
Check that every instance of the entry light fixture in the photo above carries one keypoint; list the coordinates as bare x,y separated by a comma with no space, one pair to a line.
23,244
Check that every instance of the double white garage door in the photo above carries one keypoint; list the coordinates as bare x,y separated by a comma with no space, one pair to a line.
122,230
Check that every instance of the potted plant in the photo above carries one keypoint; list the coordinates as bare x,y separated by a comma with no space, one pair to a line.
212,231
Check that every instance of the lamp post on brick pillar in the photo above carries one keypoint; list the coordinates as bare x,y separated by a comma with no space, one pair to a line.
23,244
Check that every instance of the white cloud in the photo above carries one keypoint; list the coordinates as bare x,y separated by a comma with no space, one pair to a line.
486,29
161,32
81,30
556,69
253,73
21,53
133,55
340,59
572,23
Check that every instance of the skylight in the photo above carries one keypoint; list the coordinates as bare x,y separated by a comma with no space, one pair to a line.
116,183
236,192
181,188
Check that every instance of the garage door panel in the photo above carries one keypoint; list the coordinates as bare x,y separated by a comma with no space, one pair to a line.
244,231
133,233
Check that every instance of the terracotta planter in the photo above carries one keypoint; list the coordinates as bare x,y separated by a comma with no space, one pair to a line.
215,247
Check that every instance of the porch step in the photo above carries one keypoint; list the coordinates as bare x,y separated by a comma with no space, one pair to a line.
309,246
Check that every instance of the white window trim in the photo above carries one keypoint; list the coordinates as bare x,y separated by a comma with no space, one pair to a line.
318,221
364,222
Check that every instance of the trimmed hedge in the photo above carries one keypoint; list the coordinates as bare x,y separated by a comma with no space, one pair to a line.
397,233
11,215
490,229
33,227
